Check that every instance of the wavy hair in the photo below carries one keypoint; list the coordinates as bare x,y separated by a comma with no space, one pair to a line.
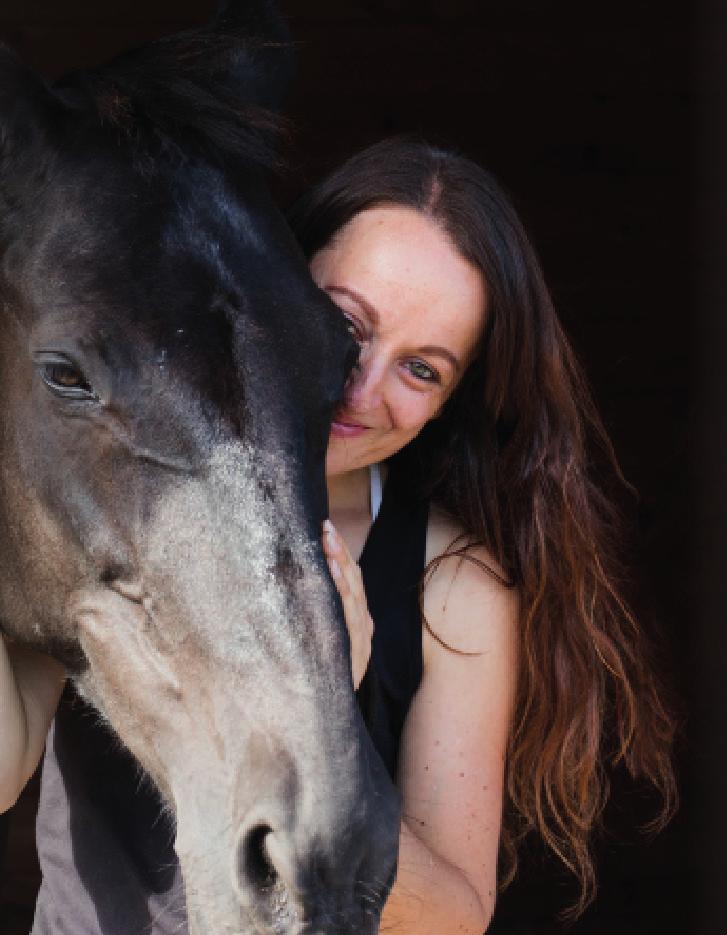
512,459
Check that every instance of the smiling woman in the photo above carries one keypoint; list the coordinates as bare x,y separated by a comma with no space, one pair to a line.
518,678
417,310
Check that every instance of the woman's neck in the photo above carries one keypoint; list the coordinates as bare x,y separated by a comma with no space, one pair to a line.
349,507
349,492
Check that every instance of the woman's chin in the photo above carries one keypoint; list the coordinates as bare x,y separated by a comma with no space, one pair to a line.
343,457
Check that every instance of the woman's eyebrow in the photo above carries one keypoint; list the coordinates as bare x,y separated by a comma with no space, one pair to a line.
359,299
373,314
437,351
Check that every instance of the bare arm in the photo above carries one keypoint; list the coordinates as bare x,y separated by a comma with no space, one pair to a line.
30,687
451,762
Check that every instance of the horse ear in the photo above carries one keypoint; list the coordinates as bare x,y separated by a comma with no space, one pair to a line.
28,107
30,116
266,63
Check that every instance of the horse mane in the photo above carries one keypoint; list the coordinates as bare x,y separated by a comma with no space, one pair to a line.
198,93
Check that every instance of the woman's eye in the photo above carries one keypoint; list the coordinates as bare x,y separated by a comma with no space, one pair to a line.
65,379
423,371
353,329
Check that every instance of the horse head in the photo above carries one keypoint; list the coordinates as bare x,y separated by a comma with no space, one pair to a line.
168,371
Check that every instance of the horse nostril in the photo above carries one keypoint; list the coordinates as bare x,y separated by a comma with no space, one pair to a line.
265,869
254,868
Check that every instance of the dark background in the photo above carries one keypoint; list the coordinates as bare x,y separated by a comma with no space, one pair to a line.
605,122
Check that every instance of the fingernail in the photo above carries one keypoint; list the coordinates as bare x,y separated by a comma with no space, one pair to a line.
327,525
335,568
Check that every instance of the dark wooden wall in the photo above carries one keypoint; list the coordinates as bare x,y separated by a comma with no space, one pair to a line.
585,112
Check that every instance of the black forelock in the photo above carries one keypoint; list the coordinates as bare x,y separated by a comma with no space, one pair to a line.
194,94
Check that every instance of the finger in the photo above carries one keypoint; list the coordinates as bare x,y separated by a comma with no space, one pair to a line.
354,607
335,541
334,544
336,548
327,542
339,579
354,582
331,542
331,551
342,567
347,562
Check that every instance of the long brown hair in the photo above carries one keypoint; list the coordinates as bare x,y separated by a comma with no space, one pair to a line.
511,459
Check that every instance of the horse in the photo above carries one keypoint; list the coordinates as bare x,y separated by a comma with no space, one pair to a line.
168,372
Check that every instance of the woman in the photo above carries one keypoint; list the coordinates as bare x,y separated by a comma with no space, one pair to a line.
467,405
532,677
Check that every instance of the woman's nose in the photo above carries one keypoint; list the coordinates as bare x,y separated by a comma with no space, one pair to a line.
364,386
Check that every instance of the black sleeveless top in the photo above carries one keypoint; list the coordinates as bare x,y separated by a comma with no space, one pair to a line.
392,564
104,843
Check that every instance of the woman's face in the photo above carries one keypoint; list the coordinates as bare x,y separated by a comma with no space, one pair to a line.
417,308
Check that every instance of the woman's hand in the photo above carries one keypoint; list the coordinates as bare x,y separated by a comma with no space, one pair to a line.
347,576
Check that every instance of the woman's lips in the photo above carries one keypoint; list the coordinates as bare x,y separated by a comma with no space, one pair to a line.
343,429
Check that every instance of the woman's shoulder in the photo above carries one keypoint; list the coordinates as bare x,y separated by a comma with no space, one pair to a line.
467,598
450,546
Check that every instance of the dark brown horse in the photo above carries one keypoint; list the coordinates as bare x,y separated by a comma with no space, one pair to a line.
167,374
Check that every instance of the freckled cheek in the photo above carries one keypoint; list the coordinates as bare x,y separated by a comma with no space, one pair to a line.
411,416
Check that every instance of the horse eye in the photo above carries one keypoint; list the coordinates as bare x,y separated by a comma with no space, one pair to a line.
63,377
